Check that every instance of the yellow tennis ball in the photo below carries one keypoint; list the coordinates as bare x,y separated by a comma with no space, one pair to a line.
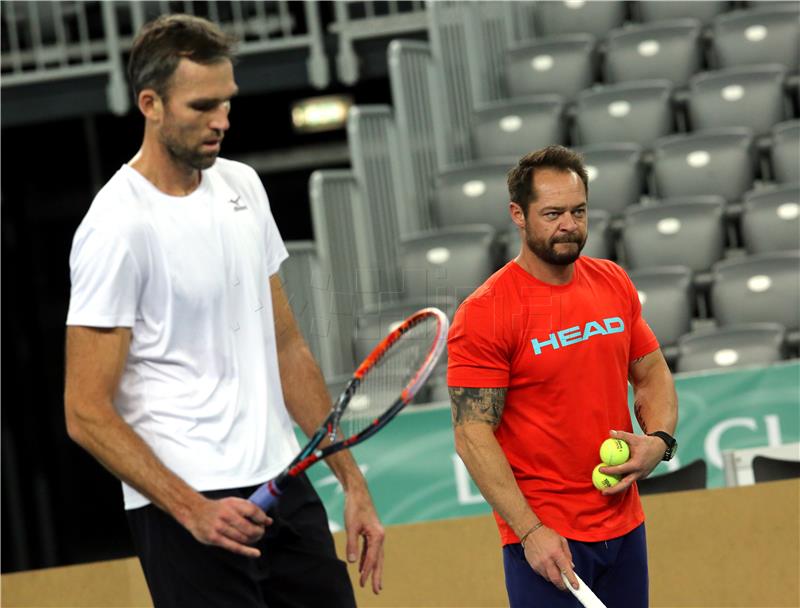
614,452
602,481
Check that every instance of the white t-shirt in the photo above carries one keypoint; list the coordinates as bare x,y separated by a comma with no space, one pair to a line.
190,276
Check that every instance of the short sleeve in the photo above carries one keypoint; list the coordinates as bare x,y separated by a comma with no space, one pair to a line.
477,355
106,279
275,249
643,340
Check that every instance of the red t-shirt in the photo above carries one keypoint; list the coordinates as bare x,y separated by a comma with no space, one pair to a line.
563,352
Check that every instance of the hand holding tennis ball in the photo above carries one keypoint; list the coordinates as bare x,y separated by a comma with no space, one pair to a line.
614,452
602,481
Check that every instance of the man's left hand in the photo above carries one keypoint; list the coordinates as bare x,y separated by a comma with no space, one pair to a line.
646,453
361,520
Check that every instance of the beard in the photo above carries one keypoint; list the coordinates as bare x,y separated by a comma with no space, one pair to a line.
184,154
546,250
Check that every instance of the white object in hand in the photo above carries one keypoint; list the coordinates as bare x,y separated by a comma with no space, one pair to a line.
585,595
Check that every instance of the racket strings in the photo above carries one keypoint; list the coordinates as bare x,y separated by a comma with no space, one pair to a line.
392,373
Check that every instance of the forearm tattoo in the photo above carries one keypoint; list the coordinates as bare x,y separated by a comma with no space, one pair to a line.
637,410
477,405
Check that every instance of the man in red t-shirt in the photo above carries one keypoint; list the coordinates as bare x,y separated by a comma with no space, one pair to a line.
539,361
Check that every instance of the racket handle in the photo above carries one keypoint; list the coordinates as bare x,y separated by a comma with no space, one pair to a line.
267,495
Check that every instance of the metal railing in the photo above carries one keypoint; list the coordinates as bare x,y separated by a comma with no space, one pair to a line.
45,41
363,20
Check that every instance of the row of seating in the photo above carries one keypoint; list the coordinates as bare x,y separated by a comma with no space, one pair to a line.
720,162
673,50
693,231
601,18
638,112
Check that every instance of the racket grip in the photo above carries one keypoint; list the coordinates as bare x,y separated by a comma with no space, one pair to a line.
267,495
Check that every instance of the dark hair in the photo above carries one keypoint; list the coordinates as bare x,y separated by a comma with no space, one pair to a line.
559,158
162,43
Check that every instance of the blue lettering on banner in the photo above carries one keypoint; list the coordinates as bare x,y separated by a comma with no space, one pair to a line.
573,335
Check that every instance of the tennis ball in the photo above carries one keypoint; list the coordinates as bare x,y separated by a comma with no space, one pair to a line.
602,481
614,452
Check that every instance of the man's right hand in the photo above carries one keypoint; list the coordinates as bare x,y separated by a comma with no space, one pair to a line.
548,554
230,523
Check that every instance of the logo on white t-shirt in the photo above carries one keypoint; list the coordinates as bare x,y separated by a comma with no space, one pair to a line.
237,206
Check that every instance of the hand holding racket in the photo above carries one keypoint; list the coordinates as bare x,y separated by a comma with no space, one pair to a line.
385,382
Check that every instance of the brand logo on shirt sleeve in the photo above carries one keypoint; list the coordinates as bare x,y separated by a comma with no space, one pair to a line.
573,335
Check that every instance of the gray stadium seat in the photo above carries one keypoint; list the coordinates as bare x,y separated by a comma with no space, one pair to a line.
574,16
616,176
751,96
786,151
515,127
563,65
758,35
375,322
474,194
720,162
660,10
690,234
451,262
600,242
637,112
669,50
667,298
729,347
770,219
690,477
759,288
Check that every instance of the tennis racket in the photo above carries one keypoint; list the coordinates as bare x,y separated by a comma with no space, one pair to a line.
385,382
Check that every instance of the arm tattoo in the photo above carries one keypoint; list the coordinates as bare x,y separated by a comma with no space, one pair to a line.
477,405
637,410
635,361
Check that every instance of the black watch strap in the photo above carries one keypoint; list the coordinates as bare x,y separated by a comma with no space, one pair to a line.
672,444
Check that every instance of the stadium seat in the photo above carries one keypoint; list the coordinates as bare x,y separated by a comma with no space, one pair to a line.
734,346
375,322
473,194
578,16
616,176
720,162
669,50
786,151
515,127
758,288
447,263
636,112
770,219
661,10
690,477
667,298
758,35
563,65
752,97
774,469
600,242
688,234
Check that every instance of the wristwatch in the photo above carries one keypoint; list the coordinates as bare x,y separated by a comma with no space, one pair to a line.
672,444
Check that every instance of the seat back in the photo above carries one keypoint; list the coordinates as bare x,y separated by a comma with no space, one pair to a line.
563,65
668,50
637,112
730,347
771,219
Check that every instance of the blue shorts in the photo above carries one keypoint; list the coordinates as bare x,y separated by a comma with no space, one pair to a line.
616,570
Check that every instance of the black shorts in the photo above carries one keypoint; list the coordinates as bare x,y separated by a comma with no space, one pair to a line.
298,566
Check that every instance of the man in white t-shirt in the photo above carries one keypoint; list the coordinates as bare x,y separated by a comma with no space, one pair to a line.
185,365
